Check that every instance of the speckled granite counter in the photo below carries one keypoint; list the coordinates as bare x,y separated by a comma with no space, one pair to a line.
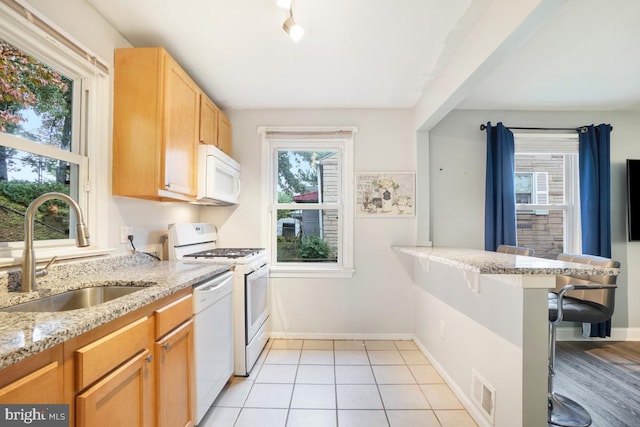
24,334
485,262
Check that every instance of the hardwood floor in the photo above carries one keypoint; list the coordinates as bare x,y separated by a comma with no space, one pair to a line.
604,377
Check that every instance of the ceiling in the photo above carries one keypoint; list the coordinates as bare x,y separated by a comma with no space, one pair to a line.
586,57
383,54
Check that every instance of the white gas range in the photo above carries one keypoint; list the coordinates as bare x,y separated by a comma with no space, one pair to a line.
198,242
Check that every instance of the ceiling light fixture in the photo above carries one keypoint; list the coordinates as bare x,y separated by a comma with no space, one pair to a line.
290,26
294,30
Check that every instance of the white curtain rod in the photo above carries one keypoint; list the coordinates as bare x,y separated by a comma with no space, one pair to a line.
55,34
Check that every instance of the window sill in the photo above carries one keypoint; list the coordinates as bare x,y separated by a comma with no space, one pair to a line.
311,272
11,258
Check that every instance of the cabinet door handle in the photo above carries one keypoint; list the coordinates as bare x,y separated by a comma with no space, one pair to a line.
149,358
166,346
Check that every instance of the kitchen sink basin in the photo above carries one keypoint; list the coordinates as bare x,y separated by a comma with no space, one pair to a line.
75,299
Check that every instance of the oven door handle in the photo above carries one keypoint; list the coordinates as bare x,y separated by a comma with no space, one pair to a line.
262,271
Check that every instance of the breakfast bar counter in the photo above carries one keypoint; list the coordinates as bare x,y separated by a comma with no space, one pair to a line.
482,319
486,262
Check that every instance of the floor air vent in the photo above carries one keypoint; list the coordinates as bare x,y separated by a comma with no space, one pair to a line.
483,395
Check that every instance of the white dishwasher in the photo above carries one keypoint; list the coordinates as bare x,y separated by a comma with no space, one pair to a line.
213,314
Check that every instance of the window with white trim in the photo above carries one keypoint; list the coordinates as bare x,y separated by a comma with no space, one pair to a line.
49,125
532,188
547,193
308,201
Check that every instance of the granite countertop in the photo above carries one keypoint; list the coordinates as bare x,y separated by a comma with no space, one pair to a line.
24,334
485,262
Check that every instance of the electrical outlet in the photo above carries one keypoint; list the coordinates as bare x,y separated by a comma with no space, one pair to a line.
125,231
442,329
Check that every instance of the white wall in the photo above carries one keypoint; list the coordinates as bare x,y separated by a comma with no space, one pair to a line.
498,330
149,219
457,174
386,141
377,300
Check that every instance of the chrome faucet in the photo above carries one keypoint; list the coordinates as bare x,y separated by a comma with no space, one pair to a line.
29,273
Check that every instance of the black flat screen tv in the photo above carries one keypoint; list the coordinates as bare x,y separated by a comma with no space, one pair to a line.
633,199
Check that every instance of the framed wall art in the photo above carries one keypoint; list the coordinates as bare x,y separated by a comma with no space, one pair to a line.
385,194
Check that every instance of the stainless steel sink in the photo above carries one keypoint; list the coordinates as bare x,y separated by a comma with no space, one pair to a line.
75,299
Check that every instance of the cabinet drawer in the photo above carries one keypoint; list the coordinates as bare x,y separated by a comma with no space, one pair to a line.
100,357
37,380
172,315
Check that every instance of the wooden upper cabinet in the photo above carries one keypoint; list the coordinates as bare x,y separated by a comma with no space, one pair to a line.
215,127
155,126
208,121
224,133
181,120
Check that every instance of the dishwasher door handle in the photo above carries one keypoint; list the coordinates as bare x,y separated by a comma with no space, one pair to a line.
207,289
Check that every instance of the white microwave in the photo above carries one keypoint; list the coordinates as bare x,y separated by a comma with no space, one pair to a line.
218,177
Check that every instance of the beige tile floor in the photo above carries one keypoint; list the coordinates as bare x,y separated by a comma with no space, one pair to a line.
325,383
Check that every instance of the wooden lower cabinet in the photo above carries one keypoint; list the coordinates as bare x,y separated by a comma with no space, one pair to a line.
36,380
113,375
175,377
122,398
136,371
93,361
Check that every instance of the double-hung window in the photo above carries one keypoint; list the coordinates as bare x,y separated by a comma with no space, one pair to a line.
547,193
49,126
308,201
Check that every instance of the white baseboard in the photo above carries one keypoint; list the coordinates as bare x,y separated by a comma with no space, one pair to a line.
617,334
330,336
563,334
462,397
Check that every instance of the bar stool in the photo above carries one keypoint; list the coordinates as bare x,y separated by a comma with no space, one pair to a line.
588,299
515,250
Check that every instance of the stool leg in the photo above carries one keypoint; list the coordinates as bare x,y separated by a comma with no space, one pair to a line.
562,410
552,355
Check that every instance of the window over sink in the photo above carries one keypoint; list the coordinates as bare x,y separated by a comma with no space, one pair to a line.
51,117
